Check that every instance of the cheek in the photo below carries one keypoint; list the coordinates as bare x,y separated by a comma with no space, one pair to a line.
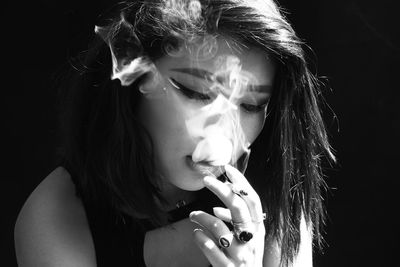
252,126
158,118
165,120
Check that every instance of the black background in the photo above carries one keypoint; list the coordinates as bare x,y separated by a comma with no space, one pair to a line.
358,50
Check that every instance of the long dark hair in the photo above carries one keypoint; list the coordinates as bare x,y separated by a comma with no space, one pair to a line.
110,152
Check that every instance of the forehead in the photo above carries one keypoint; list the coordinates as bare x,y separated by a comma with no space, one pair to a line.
206,56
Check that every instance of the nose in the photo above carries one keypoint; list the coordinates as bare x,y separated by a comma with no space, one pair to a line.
217,132
212,119
226,124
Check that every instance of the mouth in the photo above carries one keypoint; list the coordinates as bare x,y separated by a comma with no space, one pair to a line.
204,167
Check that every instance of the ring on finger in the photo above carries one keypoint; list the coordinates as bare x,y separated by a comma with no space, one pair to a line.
238,191
225,241
263,218
242,231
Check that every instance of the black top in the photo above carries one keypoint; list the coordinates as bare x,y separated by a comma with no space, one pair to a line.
119,239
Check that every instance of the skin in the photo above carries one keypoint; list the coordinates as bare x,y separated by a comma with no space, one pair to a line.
52,228
164,117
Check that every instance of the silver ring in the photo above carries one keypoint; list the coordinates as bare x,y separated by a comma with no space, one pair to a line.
238,191
264,217
242,231
225,241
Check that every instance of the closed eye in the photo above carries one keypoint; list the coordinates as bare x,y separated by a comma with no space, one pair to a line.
192,94
253,108
189,93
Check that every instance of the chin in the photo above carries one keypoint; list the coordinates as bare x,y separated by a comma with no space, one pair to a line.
190,176
194,184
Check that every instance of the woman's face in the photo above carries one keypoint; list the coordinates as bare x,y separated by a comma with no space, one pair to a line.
180,110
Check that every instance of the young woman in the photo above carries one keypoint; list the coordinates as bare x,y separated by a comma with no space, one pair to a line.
153,158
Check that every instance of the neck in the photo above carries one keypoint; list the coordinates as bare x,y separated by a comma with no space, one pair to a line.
175,197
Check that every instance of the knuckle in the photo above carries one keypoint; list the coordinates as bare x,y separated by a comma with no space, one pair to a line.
216,225
208,245
237,204
254,202
203,245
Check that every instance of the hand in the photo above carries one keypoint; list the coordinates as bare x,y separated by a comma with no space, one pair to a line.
244,209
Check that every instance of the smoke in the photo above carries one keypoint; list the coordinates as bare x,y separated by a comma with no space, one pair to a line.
128,63
216,125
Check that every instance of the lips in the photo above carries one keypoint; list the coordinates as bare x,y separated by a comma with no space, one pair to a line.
203,167
215,148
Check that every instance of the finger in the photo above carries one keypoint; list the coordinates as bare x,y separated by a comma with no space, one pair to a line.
215,256
250,197
239,210
223,213
236,177
217,228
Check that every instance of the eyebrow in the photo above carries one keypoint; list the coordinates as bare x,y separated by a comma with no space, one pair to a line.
205,74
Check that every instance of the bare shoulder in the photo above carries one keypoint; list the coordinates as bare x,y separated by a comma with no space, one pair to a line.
52,228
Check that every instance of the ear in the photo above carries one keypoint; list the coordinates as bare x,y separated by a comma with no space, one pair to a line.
134,90
149,85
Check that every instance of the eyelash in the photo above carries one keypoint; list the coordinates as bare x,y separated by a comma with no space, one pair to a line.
253,108
191,94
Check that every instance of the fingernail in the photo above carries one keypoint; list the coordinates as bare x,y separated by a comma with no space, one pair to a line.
192,214
217,210
207,180
226,240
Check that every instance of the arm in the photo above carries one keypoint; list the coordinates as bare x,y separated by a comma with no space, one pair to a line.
272,252
52,229
304,257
